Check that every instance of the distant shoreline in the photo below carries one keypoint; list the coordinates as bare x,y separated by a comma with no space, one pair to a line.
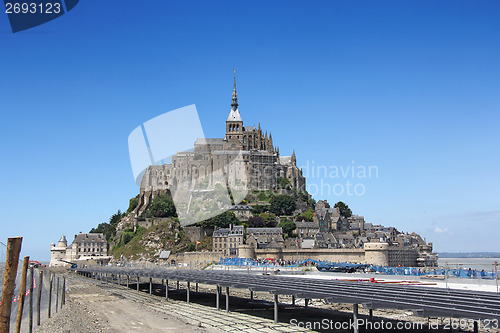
469,254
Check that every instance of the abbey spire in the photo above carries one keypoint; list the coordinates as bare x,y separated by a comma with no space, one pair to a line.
234,114
234,123
234,104
271,146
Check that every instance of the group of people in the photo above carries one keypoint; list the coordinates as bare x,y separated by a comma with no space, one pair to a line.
277,262
264,262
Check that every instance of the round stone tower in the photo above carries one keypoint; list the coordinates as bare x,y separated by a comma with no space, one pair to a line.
62,242
377,254
246,251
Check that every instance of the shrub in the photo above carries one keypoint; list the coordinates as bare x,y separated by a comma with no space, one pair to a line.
133,204
282,204
288,226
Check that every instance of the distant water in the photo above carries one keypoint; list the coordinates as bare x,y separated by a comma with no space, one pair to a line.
488,264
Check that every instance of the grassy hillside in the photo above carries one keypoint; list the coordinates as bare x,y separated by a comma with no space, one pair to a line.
147,243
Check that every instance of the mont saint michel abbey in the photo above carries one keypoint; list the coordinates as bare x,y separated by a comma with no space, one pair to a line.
262,163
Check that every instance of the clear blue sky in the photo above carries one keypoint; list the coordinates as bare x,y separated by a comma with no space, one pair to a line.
410,87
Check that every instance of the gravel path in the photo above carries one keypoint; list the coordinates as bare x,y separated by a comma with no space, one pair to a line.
73,317
89,308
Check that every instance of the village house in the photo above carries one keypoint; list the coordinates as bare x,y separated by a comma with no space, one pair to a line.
227,240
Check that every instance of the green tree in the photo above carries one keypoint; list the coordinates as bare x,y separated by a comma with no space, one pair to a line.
133,204
127,237
257,209
282,204
345,211
115,218
255,222
288,226
162,206
269,219
264,195
284,183
104,228
222,220
308,215
108,229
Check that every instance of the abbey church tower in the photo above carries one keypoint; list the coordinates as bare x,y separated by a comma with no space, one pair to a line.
239,137
234,124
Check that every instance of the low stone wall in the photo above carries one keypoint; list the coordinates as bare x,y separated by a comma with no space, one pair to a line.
151,221
195,258
374,253
334,255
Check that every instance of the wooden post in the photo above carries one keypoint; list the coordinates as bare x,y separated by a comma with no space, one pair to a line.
50,293
40,284
63,292
9,281
32,277
57,294
22,294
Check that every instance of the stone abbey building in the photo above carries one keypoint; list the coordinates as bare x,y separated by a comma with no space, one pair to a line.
260,165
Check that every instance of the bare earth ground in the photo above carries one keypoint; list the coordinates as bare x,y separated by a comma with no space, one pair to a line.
90,309
98,306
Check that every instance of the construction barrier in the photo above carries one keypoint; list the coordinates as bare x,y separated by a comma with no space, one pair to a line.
408,271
